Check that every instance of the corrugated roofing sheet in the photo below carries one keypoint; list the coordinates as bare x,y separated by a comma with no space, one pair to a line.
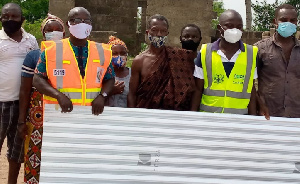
139,146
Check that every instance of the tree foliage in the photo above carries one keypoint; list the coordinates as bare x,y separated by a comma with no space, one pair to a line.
218,8
295,3
33,10
264,13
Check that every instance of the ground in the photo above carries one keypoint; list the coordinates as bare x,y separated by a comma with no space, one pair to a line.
4,167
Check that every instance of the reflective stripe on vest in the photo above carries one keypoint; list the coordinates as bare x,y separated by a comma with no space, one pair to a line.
59,63
101,53
217,94
206,108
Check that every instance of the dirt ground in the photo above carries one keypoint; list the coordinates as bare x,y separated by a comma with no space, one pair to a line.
4,167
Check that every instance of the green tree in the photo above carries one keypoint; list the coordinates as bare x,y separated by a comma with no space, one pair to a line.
295,3
263,15
34,12
32,9
218,8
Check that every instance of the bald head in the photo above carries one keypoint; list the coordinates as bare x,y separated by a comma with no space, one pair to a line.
230,15
12,7
78,11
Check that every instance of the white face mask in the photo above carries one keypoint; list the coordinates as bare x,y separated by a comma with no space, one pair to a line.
55,35
80,31
232,35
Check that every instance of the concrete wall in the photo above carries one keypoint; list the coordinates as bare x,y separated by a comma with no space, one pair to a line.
61,9
113,16
118,17
110,17
182,12
251,37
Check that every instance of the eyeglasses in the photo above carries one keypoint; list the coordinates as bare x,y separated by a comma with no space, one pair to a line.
78,21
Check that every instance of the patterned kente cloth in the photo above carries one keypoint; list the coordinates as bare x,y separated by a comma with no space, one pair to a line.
33,142
171,82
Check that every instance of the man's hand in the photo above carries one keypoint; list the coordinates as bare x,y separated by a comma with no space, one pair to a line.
264,111
98,105
22,130
118,87
262,107
65,103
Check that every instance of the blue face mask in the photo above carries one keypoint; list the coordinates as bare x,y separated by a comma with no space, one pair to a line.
286,29
119,61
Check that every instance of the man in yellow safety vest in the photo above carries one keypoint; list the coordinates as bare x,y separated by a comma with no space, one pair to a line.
225,71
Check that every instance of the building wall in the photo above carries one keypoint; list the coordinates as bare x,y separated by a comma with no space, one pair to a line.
251,37
61,9
111,16
118,17
182,12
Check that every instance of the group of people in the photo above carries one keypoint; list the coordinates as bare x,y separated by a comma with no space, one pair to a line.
220,78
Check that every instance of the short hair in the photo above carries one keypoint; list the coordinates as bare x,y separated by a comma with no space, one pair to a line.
75,10
158,17
14,5
227,13
191,25
284,6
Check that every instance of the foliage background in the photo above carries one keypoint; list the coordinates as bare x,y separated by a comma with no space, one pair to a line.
264,13
218,8
34,12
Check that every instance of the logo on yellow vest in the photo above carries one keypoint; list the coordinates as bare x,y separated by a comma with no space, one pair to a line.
239,76
218,78
239,79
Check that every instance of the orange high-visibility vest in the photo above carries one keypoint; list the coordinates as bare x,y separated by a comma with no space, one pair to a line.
64,75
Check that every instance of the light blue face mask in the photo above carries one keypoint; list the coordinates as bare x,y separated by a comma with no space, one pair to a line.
286,29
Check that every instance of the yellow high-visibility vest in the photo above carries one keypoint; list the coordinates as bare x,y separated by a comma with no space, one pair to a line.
224,94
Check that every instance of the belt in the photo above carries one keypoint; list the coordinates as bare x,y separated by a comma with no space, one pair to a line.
16,102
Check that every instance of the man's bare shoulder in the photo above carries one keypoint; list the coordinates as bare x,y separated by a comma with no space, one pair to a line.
141,57
137,62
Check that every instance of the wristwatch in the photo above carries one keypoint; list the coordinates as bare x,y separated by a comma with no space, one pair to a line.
104,94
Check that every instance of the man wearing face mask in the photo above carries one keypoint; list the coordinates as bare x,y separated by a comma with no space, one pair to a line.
279,66
15,43
75,71
225,71
161,76
190,37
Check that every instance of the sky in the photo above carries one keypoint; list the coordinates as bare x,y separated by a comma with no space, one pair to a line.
239,6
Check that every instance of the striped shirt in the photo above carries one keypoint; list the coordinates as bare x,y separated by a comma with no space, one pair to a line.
30,62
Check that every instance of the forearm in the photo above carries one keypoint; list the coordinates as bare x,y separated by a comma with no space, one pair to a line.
260,100
24,99
44,87
108,85
131,100
196,100
197,95
252,104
